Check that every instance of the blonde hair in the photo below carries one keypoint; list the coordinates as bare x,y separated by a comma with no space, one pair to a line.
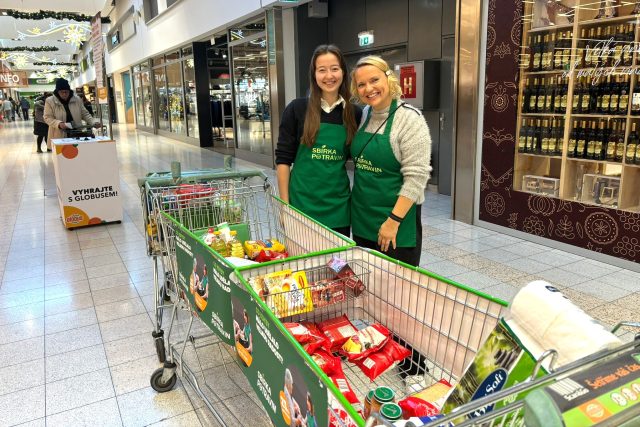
382,65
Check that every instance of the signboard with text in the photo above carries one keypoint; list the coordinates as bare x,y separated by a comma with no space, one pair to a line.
97,44
13,79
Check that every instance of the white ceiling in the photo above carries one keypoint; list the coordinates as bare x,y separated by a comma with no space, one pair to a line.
11,29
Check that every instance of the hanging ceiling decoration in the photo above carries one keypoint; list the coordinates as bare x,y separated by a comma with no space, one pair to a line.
21,60
44,14
71,64
74,34
29,49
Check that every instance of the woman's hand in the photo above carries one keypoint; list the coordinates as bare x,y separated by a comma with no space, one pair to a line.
62,125
387,234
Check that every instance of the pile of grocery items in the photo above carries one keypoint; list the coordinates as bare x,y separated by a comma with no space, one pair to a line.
239,251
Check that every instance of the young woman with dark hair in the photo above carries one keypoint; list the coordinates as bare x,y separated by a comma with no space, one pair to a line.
315,133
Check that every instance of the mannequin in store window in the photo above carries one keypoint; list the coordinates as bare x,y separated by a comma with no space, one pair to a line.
392,154
315,133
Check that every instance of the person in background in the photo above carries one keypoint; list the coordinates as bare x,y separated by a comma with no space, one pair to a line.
65,108
16,108
25,106
315,133
86,103
40,127
7,109
392,153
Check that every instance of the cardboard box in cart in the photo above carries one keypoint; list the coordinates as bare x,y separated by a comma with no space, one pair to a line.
87,180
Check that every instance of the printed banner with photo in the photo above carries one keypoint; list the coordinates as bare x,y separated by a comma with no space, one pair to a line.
289,390
205,281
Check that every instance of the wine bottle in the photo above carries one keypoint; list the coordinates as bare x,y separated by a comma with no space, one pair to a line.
599,142
573,140
620,144
559,136
563,98
522,137
533,97
606,96
566,50
591,142
615,96
531,138
635,99
583,137
549,94
637,162
557,98
575,101
632,145
553,139
526,96
558,52
619,39
542,94
627,51
594,98
585,97
537,138
588,43
545,135
605,53
610,150
623,100
537,54
547,55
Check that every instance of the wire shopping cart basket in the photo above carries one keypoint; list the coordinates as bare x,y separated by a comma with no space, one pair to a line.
442,325
160,191
203,353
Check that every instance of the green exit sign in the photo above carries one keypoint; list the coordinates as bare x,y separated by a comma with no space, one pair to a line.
365,38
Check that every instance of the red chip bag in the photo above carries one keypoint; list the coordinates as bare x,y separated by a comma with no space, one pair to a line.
377,363
299,332
365,342
308,335
267,255
326,361
338,330
416,407
343,385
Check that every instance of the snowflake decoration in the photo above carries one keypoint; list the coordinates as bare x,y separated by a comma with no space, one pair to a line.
53,24
20,36
20,61
74,35
4,55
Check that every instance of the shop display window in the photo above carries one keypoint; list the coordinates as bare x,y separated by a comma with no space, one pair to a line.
578,133
175,99
191,105
162,98
139,98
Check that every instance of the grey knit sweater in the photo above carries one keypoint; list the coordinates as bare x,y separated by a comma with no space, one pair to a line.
411,145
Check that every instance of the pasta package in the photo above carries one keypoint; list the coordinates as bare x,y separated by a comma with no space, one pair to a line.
285,293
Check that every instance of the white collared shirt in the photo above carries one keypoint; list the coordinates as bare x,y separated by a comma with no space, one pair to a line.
329,108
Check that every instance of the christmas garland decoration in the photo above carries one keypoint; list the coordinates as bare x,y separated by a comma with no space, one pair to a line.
72,64
29,49
44,14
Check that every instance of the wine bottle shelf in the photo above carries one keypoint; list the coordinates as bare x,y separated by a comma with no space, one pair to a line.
604,162
541,73
541,156
597,116
543,114
629,165
608,21
550,28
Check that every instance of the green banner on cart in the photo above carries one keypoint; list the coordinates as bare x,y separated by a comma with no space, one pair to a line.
289,390
205,280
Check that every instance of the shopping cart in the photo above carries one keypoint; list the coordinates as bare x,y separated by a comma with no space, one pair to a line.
200,356
475,412
442,323
161,191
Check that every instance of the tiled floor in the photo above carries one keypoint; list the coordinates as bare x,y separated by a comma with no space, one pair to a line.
75,322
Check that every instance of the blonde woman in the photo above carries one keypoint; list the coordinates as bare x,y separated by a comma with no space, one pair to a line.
392,154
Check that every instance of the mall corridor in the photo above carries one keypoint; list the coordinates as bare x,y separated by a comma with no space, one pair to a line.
75,306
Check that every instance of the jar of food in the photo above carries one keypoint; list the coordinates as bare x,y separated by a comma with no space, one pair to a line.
367,404
381,395
391,412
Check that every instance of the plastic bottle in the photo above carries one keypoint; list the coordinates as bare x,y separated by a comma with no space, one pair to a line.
234,246
219,245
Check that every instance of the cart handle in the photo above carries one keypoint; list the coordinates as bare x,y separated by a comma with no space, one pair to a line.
554,357
621,324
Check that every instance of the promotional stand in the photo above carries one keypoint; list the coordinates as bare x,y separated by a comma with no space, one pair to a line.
87,180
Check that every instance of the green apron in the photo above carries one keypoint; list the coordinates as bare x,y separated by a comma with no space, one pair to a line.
377,182
319,185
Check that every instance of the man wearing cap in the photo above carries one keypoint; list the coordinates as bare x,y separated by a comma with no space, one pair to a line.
65,108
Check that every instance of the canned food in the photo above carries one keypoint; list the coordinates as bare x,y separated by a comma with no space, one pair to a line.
391,412
381,395
367,404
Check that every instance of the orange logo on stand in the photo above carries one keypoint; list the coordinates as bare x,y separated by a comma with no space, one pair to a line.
595,411
74,216
284,406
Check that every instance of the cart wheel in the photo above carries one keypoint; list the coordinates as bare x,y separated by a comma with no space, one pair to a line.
159,341
158,385
165,295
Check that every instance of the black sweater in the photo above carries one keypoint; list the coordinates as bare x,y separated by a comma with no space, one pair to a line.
292,127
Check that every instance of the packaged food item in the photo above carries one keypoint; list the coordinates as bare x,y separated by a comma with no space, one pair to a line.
225,231
343,385
391,412
382,395
320,339
344,272
435,394
186,192
327,292
326,361
270,247
366,341
252,248
311,338
415,407
285,293
209,237
266,255
274,245
338,330
234,247
377,363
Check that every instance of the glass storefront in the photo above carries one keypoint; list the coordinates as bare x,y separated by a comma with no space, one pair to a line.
169,89
251,91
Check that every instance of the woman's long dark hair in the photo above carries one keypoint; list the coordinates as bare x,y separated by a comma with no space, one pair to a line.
312,117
